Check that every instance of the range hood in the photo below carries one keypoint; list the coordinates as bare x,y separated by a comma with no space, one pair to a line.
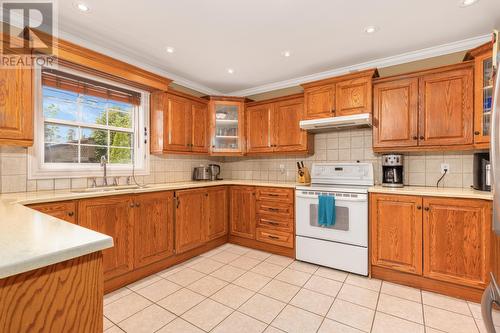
332,123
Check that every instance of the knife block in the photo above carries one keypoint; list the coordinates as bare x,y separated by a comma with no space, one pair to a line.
304,177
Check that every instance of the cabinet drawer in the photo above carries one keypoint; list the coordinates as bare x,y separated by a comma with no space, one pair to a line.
275,237
271,222
283,210
64,210
275,194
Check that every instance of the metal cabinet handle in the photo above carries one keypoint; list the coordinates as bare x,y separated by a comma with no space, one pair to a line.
427,209
273,223
421,137
178,203
419,207
131,205
273,209
273,237
273,195
137,204
415,137
477,133
71,213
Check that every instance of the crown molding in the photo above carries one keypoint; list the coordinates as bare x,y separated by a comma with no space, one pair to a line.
402,58
137,60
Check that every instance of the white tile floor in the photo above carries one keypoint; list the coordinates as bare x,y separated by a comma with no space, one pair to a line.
236,289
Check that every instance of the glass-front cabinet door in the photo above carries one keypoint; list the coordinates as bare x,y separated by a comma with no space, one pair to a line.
227,127
483,98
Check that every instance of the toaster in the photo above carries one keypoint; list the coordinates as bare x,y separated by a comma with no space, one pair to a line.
201,173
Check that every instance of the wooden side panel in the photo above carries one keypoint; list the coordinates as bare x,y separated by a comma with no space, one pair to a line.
395,113
319,101
16,107
178,124
65,297
158,114
190,221
480,135
457,235
258,128
153,227
64,210
242,211
446,108
396,232
288,136
111,216
353,96
217,212
200,125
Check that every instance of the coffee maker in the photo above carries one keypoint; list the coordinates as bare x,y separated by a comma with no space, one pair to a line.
392,170
481,169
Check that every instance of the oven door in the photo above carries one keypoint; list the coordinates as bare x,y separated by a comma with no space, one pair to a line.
351,224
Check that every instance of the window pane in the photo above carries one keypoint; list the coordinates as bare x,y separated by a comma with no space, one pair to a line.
120,139
59,104
120,155
119,119
93,110
92,154
61,153
91,136
55,133
120,106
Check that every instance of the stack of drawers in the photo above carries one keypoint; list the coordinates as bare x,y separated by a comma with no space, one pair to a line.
275,216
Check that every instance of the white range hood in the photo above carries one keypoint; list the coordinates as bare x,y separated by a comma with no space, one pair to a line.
332,123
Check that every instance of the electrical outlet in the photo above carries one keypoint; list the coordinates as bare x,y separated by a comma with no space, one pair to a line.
445,166
282,168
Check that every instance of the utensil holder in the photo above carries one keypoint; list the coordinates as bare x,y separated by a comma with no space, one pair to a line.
304,176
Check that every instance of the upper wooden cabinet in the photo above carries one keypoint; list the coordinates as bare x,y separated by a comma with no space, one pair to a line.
242,211
428,110
339,96
273,126
179,123
227,125
16,106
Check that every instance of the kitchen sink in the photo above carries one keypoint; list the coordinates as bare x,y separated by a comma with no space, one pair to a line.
107,189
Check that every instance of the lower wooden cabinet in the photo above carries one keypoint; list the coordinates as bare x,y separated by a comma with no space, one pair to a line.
64,210
153,227
242,211
190,230
112,216
217,212
444,243
396,232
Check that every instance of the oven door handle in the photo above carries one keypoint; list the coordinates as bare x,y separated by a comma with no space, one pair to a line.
315,197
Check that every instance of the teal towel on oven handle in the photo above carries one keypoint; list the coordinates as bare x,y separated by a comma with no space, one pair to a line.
326,210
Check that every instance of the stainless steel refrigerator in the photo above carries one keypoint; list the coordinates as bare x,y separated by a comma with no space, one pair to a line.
492,293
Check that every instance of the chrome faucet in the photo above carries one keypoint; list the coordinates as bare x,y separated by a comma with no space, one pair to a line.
103,164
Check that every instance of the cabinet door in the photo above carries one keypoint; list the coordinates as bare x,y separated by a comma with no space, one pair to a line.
288,136
395,113
242,211
258,128
396,232
353,96
179,124
199,133
158,112
190,221
483,95
111,216
227,124
217,212
446,112
320,101
457,240
153,227
65,210
16,107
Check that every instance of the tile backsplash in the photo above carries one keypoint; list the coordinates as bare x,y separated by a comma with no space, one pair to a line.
339,146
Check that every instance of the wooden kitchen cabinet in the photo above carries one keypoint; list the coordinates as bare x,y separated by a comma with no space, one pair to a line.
396,232
190,228
242,211
178,124
395,113
227,124
16,106
217,215
64,210
112,216
199,127
457,240
272,126
339,96
153,227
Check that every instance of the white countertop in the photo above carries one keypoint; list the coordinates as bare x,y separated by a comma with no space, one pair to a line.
31,240
429,191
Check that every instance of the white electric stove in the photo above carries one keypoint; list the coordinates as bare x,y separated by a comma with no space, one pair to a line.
343,245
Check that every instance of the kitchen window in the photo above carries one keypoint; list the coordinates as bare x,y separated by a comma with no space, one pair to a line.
80,118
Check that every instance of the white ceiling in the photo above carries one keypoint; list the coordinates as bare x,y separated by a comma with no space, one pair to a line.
249,36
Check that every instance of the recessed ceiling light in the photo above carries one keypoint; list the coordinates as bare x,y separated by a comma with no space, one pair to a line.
82,7
230,71
371,29
467,3
286,53
170,49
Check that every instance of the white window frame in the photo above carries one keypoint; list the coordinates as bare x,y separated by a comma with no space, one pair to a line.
38,169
